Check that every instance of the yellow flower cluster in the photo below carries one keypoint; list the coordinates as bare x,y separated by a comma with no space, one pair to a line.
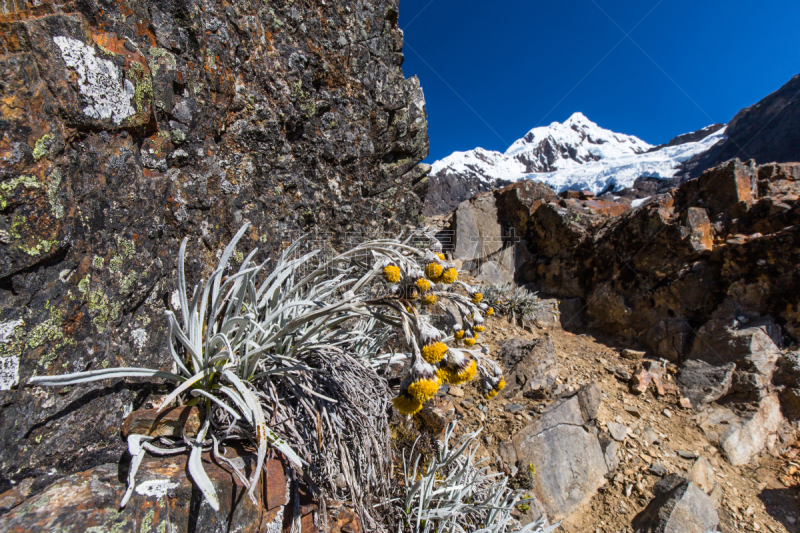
469,341
433,353
424,389
450,275
429,299
477,298
423,284
497,388
490,311
433,271
478,328
458,335
457,376
440,255
407,404
391,273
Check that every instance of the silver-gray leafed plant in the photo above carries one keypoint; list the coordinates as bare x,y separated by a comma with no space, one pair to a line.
456,494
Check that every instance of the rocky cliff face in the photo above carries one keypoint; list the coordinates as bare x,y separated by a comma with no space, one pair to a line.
129,125
658,269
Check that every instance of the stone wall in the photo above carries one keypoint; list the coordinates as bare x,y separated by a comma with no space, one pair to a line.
129,125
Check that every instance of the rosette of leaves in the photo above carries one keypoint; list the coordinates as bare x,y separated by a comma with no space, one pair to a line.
510,300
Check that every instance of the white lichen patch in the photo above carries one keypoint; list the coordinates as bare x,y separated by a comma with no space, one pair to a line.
9,372
7,329
100,81
156,488
139,337
175,300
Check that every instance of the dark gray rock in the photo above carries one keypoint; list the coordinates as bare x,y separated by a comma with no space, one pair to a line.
678,506
658,469
788,370
734,336
704,383
670,339
570,310
530,367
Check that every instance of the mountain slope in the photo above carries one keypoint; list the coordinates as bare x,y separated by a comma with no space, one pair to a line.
766,131
577,154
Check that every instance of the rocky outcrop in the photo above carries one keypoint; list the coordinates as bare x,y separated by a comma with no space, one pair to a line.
446,191
129,126
565,439
659,271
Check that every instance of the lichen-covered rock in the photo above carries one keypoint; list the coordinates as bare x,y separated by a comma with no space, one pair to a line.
128,126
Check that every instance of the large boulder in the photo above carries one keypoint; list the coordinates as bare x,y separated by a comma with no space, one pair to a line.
742,435
487,250
530,367
571,460
678,506
733,336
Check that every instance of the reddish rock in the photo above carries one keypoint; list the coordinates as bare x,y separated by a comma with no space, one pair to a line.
701,238
171,422
640,381
275,486
603,206
728,187
89,501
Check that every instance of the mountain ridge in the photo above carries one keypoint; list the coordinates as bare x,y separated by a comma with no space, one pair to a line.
575,154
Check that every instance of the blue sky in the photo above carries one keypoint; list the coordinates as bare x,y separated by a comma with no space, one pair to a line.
492,70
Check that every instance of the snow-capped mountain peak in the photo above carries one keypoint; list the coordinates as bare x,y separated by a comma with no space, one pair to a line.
570,155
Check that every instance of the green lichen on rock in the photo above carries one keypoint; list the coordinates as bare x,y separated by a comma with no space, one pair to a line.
143,86
14,341
128,247
98,304
127,282
161,53
98,262
52,195
114,264
83,285
7,186
238,256
49,332
42,147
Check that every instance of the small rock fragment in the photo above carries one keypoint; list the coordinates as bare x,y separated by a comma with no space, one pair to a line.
456,392
633,355
658,469
618,431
